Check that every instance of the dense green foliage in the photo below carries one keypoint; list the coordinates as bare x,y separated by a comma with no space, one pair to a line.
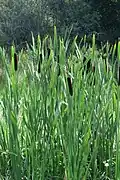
63,121
19,18
110,18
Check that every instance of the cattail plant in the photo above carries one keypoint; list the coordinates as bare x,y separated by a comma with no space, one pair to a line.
52,128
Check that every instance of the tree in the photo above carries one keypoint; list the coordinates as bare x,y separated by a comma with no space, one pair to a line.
110,17
78,13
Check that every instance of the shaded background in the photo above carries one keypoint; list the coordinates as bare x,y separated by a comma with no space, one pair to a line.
19,18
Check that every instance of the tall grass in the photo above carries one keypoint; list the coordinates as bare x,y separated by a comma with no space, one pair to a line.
61,122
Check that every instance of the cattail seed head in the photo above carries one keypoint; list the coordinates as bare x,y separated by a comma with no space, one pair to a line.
70,85
48,50
15,61
39,64
39,67
93,68
41,58
119,75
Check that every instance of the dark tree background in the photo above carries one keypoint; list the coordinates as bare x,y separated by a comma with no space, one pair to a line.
110,18
19,18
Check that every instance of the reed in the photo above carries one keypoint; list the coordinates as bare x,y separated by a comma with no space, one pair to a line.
58,119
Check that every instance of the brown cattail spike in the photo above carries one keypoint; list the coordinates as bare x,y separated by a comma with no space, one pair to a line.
15,61
93,68
41,58
88,65
48,52
119,75
39,64
70,86
39,67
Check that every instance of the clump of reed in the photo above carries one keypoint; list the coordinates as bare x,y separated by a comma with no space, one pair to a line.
60,112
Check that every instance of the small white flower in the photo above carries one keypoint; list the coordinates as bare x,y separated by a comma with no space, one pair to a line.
106,164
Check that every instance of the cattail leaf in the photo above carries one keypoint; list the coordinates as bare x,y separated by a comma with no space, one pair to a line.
113,52
62,55
118,51
33,43
55,41
93,47
84,39
12,56
58,62
38,44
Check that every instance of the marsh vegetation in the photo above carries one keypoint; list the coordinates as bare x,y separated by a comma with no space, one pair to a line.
59,111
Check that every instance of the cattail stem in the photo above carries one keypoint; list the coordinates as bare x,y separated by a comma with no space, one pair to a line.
58,66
